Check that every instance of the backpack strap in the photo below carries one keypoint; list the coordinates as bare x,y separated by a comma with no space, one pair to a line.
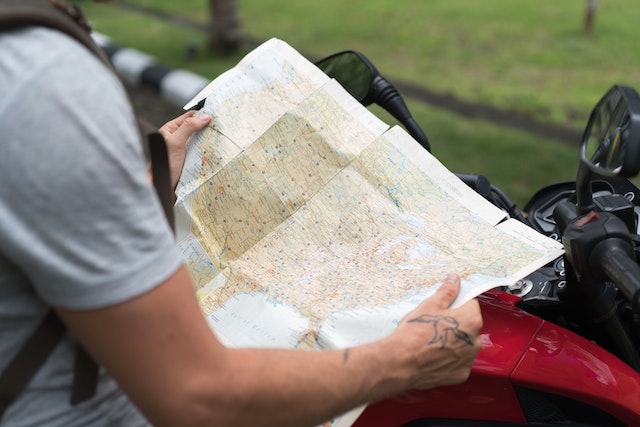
31,356
85,376
160,173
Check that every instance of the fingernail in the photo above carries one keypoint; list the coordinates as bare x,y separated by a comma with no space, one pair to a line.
451,278
202,116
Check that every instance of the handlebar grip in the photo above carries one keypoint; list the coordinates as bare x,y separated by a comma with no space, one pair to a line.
479,183
621,269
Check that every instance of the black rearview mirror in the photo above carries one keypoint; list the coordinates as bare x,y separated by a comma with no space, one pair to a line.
353,71
611,142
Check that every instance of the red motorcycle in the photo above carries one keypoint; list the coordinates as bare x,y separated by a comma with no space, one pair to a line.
560,347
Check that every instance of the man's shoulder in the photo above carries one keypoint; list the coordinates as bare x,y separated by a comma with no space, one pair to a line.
38,45
39,60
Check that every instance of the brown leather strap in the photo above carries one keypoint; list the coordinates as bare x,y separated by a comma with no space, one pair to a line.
85,376
161,175
31,356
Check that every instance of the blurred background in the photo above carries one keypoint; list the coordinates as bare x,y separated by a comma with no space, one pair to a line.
502,88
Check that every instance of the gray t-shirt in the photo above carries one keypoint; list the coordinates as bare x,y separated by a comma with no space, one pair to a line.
80,226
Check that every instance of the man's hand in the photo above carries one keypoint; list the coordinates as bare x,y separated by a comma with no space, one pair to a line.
442,343
176,133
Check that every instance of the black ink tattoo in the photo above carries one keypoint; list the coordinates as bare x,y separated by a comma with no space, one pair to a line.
345,355
442,326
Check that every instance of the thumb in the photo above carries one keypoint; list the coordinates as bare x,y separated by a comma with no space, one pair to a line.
191,125
447,293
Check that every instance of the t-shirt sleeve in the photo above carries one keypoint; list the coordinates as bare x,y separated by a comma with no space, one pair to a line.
80,218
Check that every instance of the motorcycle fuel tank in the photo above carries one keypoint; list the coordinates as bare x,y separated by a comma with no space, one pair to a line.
523,356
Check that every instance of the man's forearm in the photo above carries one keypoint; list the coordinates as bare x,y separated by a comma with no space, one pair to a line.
307,388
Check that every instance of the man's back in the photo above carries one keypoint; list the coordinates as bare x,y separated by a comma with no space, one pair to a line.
69,152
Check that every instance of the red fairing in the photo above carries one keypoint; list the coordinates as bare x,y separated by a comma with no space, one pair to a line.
488,393
520,349
561,362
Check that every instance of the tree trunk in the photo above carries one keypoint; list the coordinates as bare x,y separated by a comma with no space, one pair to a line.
590,16
225,33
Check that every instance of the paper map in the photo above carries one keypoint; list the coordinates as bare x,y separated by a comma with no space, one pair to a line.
306,222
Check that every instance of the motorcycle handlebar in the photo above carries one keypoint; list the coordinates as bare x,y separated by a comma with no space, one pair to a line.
614,259
598,246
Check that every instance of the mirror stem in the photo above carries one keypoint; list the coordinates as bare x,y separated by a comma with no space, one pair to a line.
388,97
584,198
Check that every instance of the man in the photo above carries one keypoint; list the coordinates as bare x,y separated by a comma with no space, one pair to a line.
81,231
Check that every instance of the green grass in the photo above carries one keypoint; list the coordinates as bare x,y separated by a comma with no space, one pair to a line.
529,56
516,161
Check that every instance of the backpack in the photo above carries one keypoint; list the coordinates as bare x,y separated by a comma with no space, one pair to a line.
67,18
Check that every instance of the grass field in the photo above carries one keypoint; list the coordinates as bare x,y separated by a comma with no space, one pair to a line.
526,56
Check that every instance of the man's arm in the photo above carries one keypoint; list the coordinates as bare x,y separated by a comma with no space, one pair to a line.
162,352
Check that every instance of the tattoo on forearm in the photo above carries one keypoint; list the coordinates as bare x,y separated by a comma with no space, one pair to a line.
345,355
443,327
